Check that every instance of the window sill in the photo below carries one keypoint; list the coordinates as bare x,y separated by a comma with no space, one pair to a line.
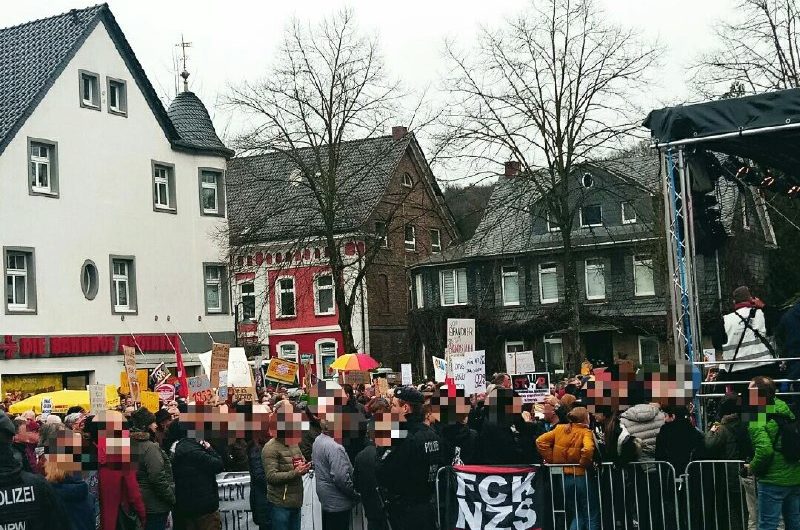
511,304
90,106
212,213
331,314
20,311
629,222
287,317
412,250
644,295
122,113
120,311
592,226
164,209
454,305
548,302
596,300
44,193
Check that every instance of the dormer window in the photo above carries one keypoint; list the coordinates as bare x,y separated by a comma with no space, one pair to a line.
90,90
587,181
296,178
407,181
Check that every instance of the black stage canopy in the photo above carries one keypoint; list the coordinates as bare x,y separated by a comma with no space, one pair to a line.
764,128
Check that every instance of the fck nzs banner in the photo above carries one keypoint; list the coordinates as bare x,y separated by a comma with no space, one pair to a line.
494,498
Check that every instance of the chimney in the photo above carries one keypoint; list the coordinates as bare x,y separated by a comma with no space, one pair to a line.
512,168
398,133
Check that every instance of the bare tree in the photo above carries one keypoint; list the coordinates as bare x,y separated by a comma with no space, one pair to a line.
759,50
327,88
550,90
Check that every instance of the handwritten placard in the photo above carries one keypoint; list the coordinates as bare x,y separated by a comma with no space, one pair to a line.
460,335
439,369
219,361
200,389
405,374
475,372
97,398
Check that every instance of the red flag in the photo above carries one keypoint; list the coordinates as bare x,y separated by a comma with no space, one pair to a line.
183,389
451,386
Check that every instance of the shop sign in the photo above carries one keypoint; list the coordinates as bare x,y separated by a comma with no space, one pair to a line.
82,346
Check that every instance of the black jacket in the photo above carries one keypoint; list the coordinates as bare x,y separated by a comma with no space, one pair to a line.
459,435
408,469
499,445
26,498
259,504
77,501
678,443
195,471
365,480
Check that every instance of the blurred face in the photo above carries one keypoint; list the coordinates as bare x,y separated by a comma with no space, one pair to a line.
549,412
399,407
755,397
506,382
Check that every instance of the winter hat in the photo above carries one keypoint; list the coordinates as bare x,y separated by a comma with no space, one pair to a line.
742,294
162,415
141,419
409,394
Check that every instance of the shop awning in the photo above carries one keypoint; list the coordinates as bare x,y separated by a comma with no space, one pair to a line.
764,128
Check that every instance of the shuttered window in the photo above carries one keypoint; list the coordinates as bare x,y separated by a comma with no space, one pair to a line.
454,287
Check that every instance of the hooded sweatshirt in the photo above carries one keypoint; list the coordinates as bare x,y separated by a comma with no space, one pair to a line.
644,421
79,503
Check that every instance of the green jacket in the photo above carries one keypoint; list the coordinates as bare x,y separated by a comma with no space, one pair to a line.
768,465
154,474
284,484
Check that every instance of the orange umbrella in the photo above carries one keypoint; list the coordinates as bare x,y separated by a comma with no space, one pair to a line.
358,362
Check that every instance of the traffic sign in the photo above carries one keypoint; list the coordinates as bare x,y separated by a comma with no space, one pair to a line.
166,392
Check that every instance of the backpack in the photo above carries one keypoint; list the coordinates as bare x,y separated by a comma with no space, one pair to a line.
788,436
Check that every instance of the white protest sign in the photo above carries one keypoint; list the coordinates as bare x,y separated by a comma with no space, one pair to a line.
97,398
459,370
439,369
475,376
520,362
460,335
405,374
533,387
47,406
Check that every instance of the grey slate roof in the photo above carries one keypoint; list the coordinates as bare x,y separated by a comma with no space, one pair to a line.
265,205
194,125
34,54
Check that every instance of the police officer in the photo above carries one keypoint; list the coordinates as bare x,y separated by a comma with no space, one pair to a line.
407,470
27,502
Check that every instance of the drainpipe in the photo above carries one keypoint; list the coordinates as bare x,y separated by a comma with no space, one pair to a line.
363,318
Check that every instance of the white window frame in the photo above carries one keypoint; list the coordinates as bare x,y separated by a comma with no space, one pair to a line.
594,266
214,186
382,234
318,289
552,339
643,261
643,338
410,244
15,275
514,343
243,295
550,226
455,273
580,215
279,291
419,294
407,180
508,274
622,211
94,89
318,358
212,282
158,181
118,278
542,267
295,358
38,161
121,87
436,247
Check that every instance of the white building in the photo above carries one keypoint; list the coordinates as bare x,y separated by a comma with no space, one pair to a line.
110,209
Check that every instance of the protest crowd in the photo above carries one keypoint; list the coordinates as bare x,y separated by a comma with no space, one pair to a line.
612,447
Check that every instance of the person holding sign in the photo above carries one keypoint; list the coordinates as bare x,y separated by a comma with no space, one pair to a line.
407,470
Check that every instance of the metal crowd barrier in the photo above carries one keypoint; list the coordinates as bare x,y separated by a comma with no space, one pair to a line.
718,497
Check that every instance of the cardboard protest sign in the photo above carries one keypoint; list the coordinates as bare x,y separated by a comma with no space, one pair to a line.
199,389
439,369
533,387
460,335
355,377
219,361
141,378
129,360
159,375
383,387
149,400
405,374
521,362
97,398
475,372
282,371
243,393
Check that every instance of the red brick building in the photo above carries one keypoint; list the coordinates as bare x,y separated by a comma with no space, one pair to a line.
389,213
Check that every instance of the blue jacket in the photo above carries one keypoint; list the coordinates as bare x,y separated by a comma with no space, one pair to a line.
77,501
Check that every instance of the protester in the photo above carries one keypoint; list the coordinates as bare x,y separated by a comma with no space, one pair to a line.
195,466
73,492
259,505
644,421
163,421
778,477
26,440
365,479
550,409
116,477
459,442
284,467
407,470
154,471
573,443
334,478
39,508
678,442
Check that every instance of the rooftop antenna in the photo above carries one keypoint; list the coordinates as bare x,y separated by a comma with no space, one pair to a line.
184,74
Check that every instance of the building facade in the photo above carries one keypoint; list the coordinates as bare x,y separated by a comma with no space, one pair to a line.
110,207
392,215
510,275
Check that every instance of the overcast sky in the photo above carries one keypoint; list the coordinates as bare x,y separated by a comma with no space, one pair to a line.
235,39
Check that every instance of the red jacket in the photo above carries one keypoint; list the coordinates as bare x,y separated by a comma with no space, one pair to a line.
118,487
